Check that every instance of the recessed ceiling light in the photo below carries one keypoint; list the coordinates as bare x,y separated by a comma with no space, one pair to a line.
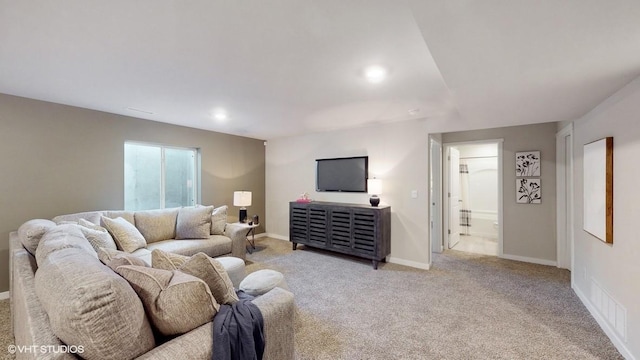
375,73
220,115
413,111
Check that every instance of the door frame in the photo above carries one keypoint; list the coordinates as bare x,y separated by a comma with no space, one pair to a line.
435,195
564,198
445,198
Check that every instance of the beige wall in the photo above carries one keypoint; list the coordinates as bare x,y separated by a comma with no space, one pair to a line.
614,268
529,230
59,159
398,154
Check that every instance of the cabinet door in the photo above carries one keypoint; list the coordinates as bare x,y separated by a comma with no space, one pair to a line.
318,226
364,232
298,227
341,228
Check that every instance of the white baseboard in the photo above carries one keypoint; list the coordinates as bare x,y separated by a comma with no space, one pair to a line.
4,295
414,264
261,235
529,260
276,236
604,325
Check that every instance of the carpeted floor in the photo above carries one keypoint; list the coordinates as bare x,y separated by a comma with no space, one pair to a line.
466,307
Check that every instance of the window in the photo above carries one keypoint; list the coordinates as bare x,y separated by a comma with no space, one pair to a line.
157,177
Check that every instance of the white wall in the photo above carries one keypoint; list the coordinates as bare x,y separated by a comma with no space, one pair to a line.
398,154
612,272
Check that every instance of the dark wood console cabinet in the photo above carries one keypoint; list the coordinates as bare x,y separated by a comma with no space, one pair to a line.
353,229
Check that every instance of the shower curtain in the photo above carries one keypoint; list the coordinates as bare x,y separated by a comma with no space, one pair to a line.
465,206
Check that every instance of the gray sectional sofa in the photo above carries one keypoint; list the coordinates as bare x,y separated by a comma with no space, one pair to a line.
64,297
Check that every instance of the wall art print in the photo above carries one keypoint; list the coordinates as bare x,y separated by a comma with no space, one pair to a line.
528,163
528,191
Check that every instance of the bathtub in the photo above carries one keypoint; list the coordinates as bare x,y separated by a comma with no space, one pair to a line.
484,224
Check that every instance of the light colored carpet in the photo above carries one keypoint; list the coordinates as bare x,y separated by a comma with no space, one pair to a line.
466,307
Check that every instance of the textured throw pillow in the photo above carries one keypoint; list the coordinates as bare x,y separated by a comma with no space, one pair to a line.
194,222
114,258
127,237
98,236
213,273
167,261
174,301
31,232
262,281
219,220
157,225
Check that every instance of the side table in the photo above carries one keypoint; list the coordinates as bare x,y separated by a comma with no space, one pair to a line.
251,230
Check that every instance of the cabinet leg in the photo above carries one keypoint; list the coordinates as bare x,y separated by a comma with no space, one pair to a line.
294,245
375,264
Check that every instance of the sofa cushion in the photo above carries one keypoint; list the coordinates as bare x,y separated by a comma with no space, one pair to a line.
127,215
194,222
92,216
213,273
32,231
113,260
127,237
91,306
176,302
156,225
109,254
219,220
167,261
215,245
62,237
98,236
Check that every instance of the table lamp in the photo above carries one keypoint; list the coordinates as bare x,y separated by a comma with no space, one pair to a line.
374,188
242,199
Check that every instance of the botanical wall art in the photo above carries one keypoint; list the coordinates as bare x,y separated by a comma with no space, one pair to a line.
598,189
528,191
528,163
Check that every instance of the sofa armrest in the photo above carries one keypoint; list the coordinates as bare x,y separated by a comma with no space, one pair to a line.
238,236
278,310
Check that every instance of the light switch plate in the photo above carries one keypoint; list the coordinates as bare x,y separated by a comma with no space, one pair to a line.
414,194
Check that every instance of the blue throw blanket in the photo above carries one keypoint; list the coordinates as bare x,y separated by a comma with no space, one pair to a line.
238,331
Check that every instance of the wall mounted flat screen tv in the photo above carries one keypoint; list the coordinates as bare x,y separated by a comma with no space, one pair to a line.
342,174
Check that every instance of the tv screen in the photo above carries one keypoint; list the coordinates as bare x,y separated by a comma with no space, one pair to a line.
342,174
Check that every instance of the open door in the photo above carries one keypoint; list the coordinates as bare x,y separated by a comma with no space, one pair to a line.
454,197
435,196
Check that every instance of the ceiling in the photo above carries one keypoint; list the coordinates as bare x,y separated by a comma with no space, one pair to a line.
288,67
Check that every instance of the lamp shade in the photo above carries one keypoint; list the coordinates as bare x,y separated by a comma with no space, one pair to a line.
374,186
242,198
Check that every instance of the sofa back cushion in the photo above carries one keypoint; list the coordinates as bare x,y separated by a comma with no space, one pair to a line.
92,216
127,215
176,302
32,231
63,237
157,225
91,306
194,222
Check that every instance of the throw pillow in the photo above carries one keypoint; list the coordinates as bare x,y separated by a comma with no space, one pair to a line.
167,261
213,273
114,258
219,220
194,222
174,301
127,237
157,225
98,236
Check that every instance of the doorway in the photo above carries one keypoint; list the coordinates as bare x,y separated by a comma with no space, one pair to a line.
473,201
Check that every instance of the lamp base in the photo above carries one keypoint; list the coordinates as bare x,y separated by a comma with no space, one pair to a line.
242,217
374,200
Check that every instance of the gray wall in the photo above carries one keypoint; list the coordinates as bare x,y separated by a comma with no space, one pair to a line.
529,230
58,159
